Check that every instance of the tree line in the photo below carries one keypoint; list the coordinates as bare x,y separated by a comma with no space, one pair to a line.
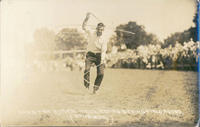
72,39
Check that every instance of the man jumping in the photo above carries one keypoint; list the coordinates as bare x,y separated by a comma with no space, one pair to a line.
96,51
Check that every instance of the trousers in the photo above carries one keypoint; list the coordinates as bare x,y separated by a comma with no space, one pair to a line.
96,59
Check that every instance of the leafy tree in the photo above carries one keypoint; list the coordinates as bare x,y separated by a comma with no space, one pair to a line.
69,38
179,37
193,30
132,41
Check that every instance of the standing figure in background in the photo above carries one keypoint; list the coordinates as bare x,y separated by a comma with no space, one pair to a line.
96,52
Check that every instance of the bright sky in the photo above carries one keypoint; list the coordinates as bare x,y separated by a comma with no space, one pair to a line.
20,18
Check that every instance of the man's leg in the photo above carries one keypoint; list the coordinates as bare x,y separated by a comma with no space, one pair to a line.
88,64
100,74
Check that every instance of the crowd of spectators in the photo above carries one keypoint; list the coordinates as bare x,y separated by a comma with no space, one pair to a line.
179,57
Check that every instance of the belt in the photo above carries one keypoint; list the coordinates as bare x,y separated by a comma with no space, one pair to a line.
94,52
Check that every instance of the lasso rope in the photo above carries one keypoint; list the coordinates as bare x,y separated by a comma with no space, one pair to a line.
116,29
95,17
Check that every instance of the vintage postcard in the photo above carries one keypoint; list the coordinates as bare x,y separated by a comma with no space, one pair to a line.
99,63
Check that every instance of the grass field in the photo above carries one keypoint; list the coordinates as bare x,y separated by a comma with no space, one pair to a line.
126,97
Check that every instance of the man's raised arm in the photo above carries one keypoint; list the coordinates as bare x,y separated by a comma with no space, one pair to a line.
85,22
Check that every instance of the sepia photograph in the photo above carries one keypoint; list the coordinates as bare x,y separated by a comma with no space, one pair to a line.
125,63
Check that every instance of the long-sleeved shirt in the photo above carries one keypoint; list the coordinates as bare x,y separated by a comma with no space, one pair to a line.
96,43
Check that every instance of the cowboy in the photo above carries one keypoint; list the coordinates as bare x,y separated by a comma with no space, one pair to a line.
96,51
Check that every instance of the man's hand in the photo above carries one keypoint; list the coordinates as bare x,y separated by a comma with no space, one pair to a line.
85,22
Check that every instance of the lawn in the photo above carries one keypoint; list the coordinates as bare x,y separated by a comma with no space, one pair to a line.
126,97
